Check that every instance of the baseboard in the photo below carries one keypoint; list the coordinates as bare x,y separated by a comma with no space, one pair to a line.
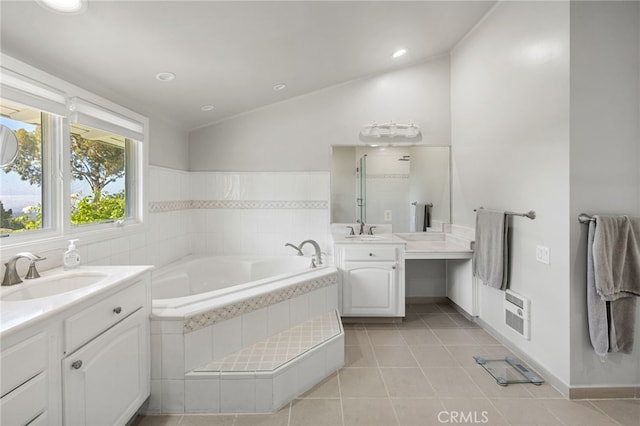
426,300
618,392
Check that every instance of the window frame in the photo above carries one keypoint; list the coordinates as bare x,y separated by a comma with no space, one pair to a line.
56,179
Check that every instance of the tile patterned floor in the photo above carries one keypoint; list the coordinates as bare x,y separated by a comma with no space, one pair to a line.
280,348
420,373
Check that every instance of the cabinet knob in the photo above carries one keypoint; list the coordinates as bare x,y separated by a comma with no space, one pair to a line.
117,310
393,267
370,254
76,364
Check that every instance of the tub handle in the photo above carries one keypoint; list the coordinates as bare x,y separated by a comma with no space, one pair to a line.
117,309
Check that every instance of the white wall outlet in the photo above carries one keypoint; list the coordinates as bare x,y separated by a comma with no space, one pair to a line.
387,215
542,254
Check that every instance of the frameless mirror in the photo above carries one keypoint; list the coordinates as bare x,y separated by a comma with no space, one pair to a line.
8,146
407,187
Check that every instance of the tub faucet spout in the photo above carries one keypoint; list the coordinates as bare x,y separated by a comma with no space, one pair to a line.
295,248
316,246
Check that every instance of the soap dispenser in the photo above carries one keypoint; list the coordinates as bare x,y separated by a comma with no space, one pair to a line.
71,257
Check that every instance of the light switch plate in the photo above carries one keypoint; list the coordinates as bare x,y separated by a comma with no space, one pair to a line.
387,215
542,254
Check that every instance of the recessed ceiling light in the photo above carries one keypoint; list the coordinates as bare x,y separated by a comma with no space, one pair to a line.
399,52
165,76
64,6
278,87
207,108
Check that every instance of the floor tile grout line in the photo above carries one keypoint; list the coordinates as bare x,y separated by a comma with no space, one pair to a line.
340,395
384,383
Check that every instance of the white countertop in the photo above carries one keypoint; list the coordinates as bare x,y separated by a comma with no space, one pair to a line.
419,245
19,314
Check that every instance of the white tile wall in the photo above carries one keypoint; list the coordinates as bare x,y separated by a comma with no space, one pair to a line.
238,231
202,394
237,393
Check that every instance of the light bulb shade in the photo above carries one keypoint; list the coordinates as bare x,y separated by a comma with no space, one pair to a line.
64,6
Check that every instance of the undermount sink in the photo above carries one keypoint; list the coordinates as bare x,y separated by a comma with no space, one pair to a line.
51,286
362,237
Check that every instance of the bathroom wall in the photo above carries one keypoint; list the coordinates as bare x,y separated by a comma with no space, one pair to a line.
296,135
605,159
169,145
510,150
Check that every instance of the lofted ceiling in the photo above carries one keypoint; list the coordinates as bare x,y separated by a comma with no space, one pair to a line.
227,54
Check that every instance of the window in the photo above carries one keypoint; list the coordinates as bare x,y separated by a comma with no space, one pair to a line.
22,180
79,164
98,175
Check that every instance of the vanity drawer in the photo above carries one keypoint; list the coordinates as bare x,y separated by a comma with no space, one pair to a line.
25,403
370,253
87,324
23,361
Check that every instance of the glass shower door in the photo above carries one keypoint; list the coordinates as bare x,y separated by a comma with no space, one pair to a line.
362,189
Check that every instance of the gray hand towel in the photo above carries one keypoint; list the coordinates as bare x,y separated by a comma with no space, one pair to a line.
596,307
622,318
613,278
616,256
491,249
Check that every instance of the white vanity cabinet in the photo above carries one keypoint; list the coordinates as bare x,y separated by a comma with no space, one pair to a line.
106,380
372,282
77,360
25,382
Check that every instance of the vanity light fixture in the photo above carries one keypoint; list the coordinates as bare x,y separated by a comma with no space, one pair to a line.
165,76
390,130
64,6
278,87
398,53
207,108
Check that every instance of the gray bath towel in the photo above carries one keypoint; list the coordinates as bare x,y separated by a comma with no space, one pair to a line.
491,250
613,265
616,256
596,307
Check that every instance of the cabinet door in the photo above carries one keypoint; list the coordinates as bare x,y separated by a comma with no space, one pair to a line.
106,381
370,289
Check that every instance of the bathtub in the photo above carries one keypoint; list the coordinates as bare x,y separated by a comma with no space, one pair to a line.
207,308
195,283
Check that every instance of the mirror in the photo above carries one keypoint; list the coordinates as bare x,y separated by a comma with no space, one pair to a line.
392,185
8,146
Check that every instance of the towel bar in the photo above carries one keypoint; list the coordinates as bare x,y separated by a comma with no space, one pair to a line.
530,214
585,218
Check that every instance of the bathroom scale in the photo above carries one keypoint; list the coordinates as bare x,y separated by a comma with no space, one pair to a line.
508,370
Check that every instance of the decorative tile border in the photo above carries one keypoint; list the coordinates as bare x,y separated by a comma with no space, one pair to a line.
168,206
205,319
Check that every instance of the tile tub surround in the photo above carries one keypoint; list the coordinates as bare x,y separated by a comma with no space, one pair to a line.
175,352
394,357
245,212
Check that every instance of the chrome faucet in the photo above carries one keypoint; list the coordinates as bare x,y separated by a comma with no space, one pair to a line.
295,248
361,227
315,245
11,274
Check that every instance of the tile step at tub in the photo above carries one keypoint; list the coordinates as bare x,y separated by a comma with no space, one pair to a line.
279,349
265,376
